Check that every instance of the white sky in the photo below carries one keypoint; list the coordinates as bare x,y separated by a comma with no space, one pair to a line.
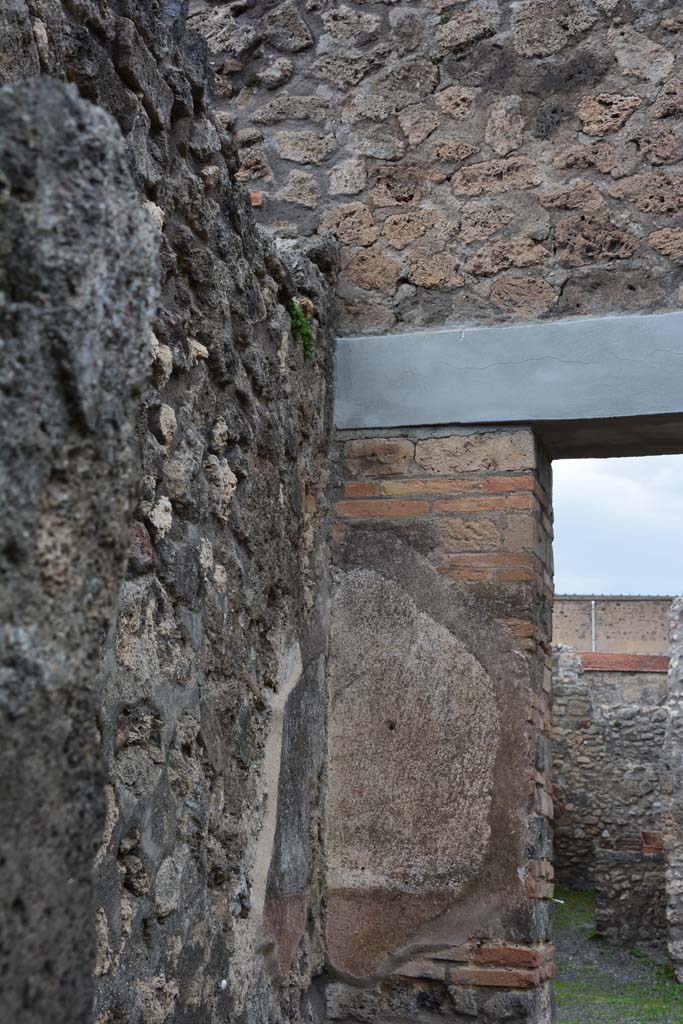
619,525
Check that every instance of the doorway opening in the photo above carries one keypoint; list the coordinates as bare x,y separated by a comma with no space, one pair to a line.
618,566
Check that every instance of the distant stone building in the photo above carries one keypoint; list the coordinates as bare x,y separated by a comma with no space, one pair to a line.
610,772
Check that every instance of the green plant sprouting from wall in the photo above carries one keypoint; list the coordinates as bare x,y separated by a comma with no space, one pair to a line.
301,328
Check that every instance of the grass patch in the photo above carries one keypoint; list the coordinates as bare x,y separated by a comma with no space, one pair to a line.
576,911
588,993
612,1002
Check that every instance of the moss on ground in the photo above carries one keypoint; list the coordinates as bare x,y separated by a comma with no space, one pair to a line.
594,986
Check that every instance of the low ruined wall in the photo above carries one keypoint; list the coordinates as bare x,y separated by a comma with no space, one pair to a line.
673,818
478,161
630,904
622,625
609,777
190,883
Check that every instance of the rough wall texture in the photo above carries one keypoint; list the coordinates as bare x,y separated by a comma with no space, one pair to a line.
207,889
439,683
478,161
609,779
78,276
673,818
623,625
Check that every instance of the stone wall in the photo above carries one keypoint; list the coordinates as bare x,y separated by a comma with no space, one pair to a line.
623,625
144,725
630,899
673,816
439,801
478,161
609,780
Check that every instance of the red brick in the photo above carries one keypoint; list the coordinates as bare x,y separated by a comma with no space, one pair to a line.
520,501
383,509
536,889
517,575
624,662
361,489
510,956
494,559
469,575
521,627
479,977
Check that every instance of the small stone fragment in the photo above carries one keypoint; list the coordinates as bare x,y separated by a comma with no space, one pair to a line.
196,351
163,365
159,516
278,73
103,957
162,423
220,435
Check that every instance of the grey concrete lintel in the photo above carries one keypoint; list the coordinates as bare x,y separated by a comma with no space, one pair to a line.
601,386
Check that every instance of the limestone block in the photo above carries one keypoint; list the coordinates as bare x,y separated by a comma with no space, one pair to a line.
638,55
417,123
668,241
467,27
352,224
479,453
505,125
400,229
606,112
371,269
583,239
523,296
544,27
285,29
348,25
497,256
514,172
348,178
651,192
305,147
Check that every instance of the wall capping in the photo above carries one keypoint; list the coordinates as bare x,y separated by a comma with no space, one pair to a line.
591,386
